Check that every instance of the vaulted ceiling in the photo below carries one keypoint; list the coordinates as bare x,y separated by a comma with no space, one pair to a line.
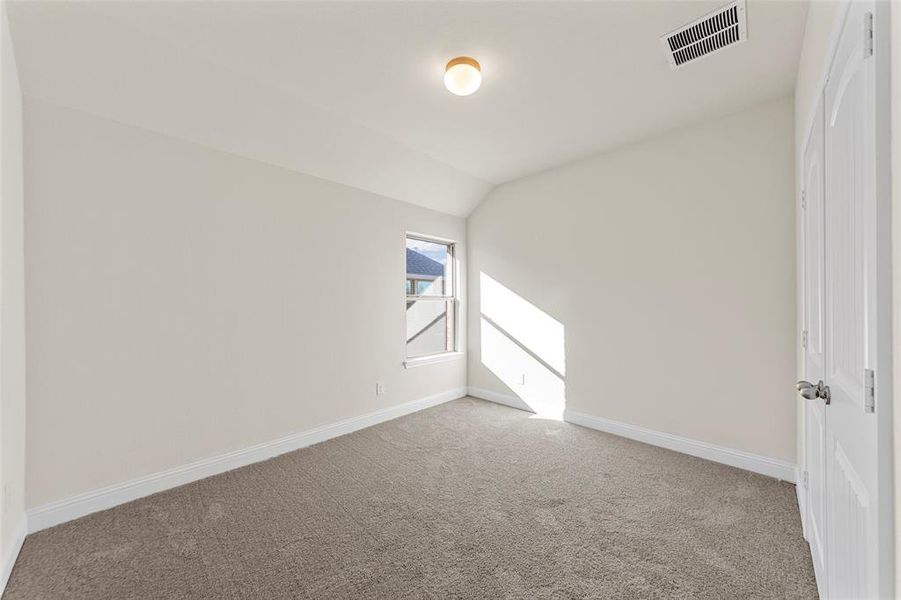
352,91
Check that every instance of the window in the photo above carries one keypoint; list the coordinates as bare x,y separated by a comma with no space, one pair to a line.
431,297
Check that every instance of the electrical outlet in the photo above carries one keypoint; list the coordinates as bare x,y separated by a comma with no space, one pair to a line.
379,388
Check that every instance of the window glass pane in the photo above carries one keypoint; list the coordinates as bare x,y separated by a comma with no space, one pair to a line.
431,306
428,268
430,327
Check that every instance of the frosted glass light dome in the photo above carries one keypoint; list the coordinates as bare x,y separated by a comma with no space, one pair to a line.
462,76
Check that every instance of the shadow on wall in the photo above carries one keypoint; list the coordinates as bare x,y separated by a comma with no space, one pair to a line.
524,347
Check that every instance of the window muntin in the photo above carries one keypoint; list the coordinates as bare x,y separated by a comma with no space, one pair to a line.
431,301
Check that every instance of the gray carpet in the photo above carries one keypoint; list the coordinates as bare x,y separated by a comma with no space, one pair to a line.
466,500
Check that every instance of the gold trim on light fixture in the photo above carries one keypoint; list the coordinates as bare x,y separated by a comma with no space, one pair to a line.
463,60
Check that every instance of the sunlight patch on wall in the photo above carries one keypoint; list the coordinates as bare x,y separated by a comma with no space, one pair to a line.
525,322
524,347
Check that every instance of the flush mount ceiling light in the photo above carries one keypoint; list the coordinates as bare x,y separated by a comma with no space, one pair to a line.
462,76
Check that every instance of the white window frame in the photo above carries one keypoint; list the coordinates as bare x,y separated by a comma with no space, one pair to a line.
452,274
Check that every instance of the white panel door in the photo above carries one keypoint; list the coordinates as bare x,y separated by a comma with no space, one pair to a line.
814,344
852,549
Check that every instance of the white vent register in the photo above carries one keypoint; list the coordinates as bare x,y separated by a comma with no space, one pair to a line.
711,33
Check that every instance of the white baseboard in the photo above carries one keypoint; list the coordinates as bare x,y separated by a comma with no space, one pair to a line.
10,561
772,467
505,399
779,469
80,505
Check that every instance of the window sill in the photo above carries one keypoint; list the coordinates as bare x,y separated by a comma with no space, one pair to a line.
432,359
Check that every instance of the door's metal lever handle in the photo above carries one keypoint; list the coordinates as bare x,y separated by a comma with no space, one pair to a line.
810,391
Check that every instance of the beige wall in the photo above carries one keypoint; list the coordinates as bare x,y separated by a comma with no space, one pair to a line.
183,302
12,303
667,267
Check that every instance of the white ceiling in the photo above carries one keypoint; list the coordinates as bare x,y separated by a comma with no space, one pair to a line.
352,91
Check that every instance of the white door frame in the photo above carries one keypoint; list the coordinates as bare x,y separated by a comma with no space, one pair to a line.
813,345
884,379
884,391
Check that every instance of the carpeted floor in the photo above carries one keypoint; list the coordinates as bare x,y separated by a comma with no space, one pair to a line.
466,500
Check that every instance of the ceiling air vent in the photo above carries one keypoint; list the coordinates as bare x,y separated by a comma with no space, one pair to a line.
711,33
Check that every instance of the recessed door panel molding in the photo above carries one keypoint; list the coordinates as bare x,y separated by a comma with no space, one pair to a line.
850,504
